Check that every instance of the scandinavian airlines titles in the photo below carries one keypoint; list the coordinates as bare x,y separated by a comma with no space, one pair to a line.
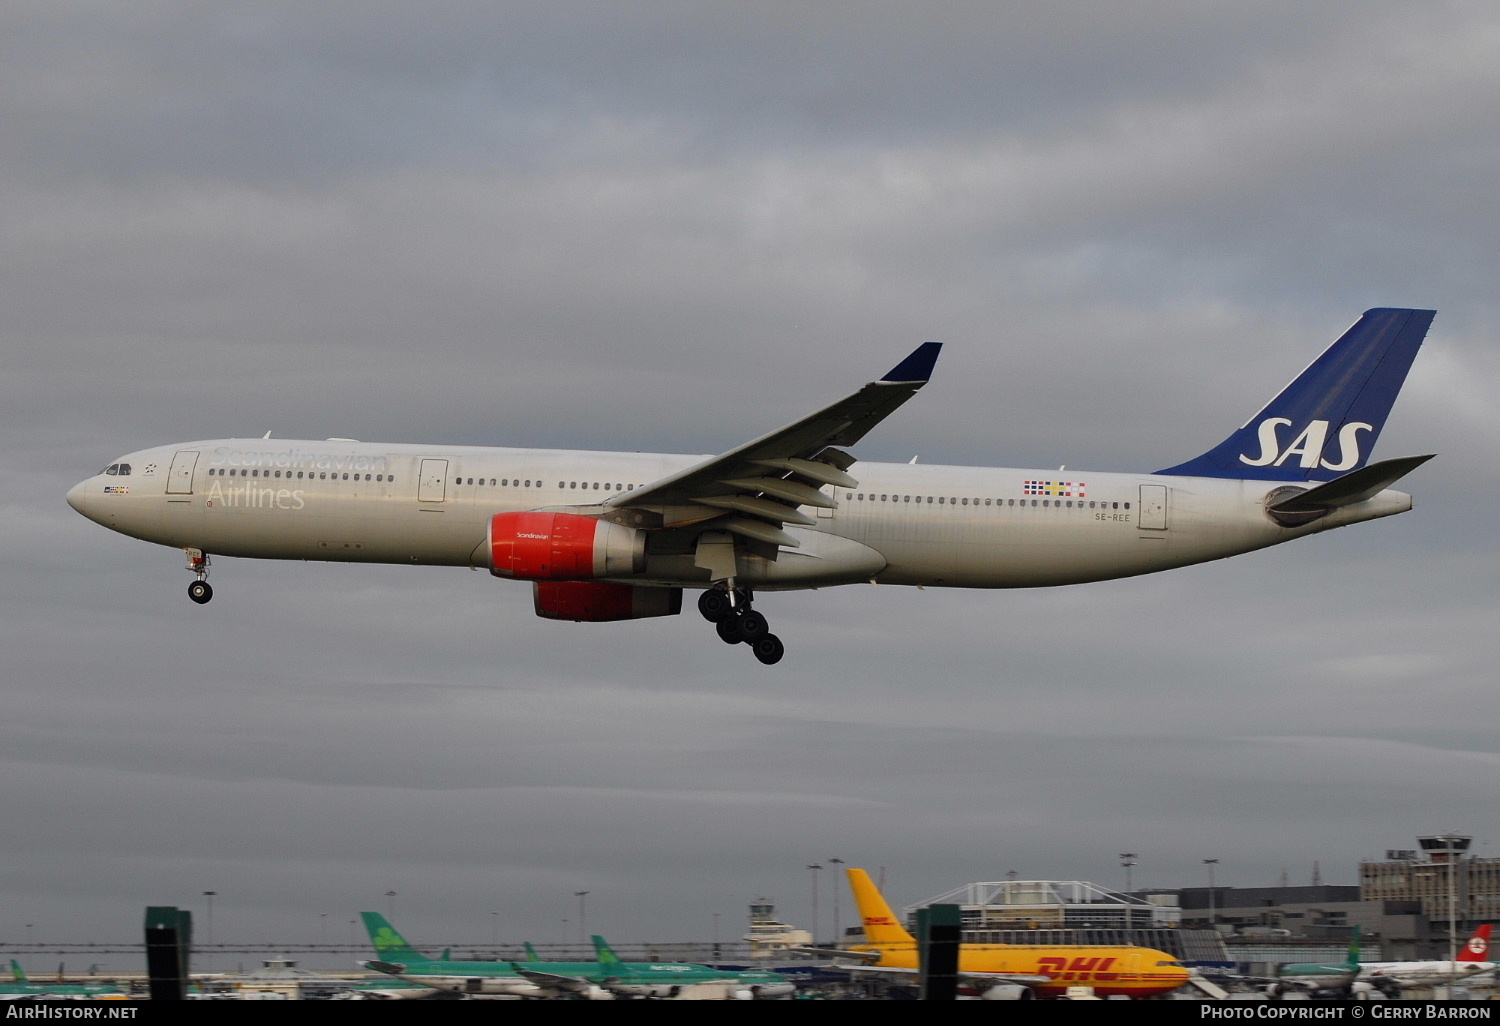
298,460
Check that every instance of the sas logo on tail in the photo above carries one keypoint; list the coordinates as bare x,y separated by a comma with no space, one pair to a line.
1308,445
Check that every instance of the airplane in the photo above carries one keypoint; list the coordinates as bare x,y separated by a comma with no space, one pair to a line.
606,536
605,978
1472,960
18,987
398,958
1012,971
1320,977
650,979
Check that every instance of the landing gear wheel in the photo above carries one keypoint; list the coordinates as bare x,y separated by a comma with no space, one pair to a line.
714,605
769,649
200,592
753,627
729,630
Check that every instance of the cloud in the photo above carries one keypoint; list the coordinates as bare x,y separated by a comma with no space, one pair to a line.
668,227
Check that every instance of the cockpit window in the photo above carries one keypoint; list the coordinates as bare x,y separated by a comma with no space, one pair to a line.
112,469
124,469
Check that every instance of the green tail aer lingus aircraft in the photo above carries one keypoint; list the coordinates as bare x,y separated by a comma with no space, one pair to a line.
608,977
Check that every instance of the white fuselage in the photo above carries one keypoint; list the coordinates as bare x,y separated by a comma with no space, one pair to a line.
970,527
1423,974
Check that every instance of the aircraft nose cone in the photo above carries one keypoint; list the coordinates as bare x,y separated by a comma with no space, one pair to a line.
81,497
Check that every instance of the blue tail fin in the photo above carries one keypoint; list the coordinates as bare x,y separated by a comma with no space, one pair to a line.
1326,421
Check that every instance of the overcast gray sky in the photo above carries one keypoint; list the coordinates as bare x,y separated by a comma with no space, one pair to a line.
674,226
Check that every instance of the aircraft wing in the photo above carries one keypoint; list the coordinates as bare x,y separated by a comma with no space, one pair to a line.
768,478
1019,979
554,981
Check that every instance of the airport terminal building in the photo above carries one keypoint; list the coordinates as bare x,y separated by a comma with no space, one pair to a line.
1402,906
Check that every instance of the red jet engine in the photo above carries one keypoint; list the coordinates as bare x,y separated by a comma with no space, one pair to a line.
600,601
562,547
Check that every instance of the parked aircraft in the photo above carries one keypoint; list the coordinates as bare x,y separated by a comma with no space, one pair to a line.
1013,970
19,987
649,979
617,536
398,958
1473,959
1320,977
534,978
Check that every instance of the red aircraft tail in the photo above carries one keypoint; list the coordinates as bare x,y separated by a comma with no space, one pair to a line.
1478,947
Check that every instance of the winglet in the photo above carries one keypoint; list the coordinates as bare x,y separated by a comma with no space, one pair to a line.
918,366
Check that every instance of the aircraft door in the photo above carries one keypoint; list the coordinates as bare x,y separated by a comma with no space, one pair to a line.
180,477
1152,515
432,486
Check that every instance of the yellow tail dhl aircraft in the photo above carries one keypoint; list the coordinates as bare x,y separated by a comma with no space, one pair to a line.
1021,970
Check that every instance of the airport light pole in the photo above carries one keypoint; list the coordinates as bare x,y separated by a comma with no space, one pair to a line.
1212,915
1452,912
715,916
838,886
583,936
815,867
390,906
1127,859
209,940
495,931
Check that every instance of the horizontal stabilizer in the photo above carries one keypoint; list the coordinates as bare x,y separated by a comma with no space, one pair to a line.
836,953
1351,488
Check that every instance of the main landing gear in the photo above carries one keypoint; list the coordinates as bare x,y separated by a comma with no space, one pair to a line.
197,561
728,609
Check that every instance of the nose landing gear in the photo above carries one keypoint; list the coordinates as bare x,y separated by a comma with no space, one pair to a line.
728,609
197,561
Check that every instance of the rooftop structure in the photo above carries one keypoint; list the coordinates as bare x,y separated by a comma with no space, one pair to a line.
1434,875
1052,904
768,936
